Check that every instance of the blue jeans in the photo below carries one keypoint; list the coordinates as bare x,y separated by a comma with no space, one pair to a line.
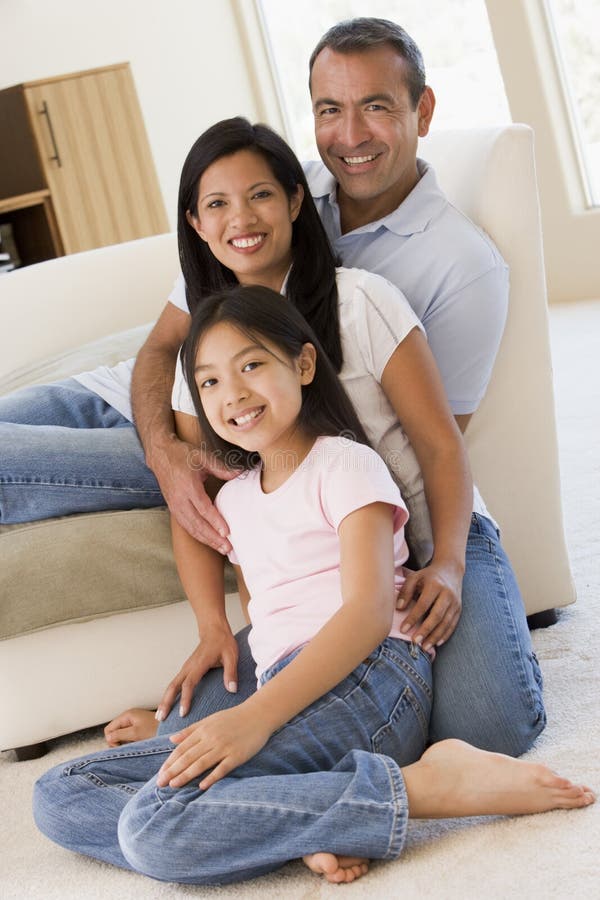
328,780
64,450
487,684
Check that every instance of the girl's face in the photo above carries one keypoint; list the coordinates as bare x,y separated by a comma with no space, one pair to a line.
251,392
245,217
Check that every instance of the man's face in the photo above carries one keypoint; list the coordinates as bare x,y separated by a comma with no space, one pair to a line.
365,125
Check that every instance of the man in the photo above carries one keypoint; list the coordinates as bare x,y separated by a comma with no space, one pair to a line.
383,211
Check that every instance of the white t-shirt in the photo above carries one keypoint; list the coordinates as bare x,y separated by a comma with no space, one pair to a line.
113,383
291,563
375,317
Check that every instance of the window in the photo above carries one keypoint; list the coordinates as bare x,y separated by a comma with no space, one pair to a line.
576,28
463,72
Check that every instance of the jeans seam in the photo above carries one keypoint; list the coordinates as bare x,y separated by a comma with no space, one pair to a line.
533,701
399,661
399,804
410,698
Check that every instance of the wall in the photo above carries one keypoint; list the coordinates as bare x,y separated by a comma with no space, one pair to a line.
186,56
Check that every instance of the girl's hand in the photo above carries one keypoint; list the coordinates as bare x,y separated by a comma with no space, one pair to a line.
218,647
224,740
436,592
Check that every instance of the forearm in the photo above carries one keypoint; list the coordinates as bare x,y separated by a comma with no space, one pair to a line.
335,651
449,493
151,388
201,574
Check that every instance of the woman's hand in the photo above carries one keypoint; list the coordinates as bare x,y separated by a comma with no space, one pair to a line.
436,593
218,647
131,725
224,741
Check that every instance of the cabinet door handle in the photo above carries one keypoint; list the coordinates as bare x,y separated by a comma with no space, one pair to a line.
44,111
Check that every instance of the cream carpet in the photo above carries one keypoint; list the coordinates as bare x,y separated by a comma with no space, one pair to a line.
555,855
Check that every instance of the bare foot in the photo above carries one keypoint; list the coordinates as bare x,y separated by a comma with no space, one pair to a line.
336,869
131,725
455,779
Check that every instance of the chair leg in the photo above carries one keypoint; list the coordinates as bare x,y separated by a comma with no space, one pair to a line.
542,619
32,751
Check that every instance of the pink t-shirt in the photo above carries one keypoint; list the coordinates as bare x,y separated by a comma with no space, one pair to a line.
287,544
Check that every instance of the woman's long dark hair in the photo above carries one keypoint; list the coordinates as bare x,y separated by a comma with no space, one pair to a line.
263,314
311,284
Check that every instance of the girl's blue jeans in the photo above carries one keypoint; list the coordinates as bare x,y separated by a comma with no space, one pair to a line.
329,780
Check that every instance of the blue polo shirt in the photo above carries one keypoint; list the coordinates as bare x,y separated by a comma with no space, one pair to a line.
449,270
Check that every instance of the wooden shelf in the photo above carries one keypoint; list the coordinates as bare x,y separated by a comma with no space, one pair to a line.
34,226
23,201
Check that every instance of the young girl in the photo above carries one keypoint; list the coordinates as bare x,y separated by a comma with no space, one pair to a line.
316,763
246,216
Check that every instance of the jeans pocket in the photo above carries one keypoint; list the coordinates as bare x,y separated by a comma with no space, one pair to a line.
404,735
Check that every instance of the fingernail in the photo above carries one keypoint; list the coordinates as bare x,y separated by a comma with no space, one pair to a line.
181,712
427,647
439,643
159,715
419,639
223,549
223,533
232,687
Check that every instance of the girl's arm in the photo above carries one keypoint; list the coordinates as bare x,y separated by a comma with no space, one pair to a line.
200,570
229,738
413,386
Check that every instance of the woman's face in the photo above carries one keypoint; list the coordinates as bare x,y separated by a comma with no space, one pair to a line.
245,217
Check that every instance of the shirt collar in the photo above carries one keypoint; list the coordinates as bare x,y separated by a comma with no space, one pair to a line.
414,213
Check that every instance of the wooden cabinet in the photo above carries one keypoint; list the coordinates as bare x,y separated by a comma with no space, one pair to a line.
74,152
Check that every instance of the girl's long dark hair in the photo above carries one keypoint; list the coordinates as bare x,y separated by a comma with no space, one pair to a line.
263,314
311,284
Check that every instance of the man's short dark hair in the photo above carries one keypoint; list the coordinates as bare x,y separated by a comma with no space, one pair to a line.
362,34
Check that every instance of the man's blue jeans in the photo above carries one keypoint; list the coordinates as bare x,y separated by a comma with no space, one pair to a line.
328,780
487,684
64,450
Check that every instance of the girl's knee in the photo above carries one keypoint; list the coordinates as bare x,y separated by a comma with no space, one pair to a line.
146,838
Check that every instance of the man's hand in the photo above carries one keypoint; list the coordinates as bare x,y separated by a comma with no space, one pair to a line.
224,741
181,470
436,592
218,647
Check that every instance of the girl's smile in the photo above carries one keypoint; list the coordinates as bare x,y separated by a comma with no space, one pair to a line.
245,217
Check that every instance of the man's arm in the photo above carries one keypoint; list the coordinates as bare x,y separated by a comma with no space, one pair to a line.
168,456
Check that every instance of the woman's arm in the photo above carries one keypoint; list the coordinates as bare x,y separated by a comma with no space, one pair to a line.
200,570
167,452
414,387
229,738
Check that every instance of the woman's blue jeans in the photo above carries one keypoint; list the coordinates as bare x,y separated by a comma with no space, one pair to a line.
328,780
64,450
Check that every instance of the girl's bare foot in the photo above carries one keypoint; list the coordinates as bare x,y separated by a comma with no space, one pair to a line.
455,779
336,869
131,725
